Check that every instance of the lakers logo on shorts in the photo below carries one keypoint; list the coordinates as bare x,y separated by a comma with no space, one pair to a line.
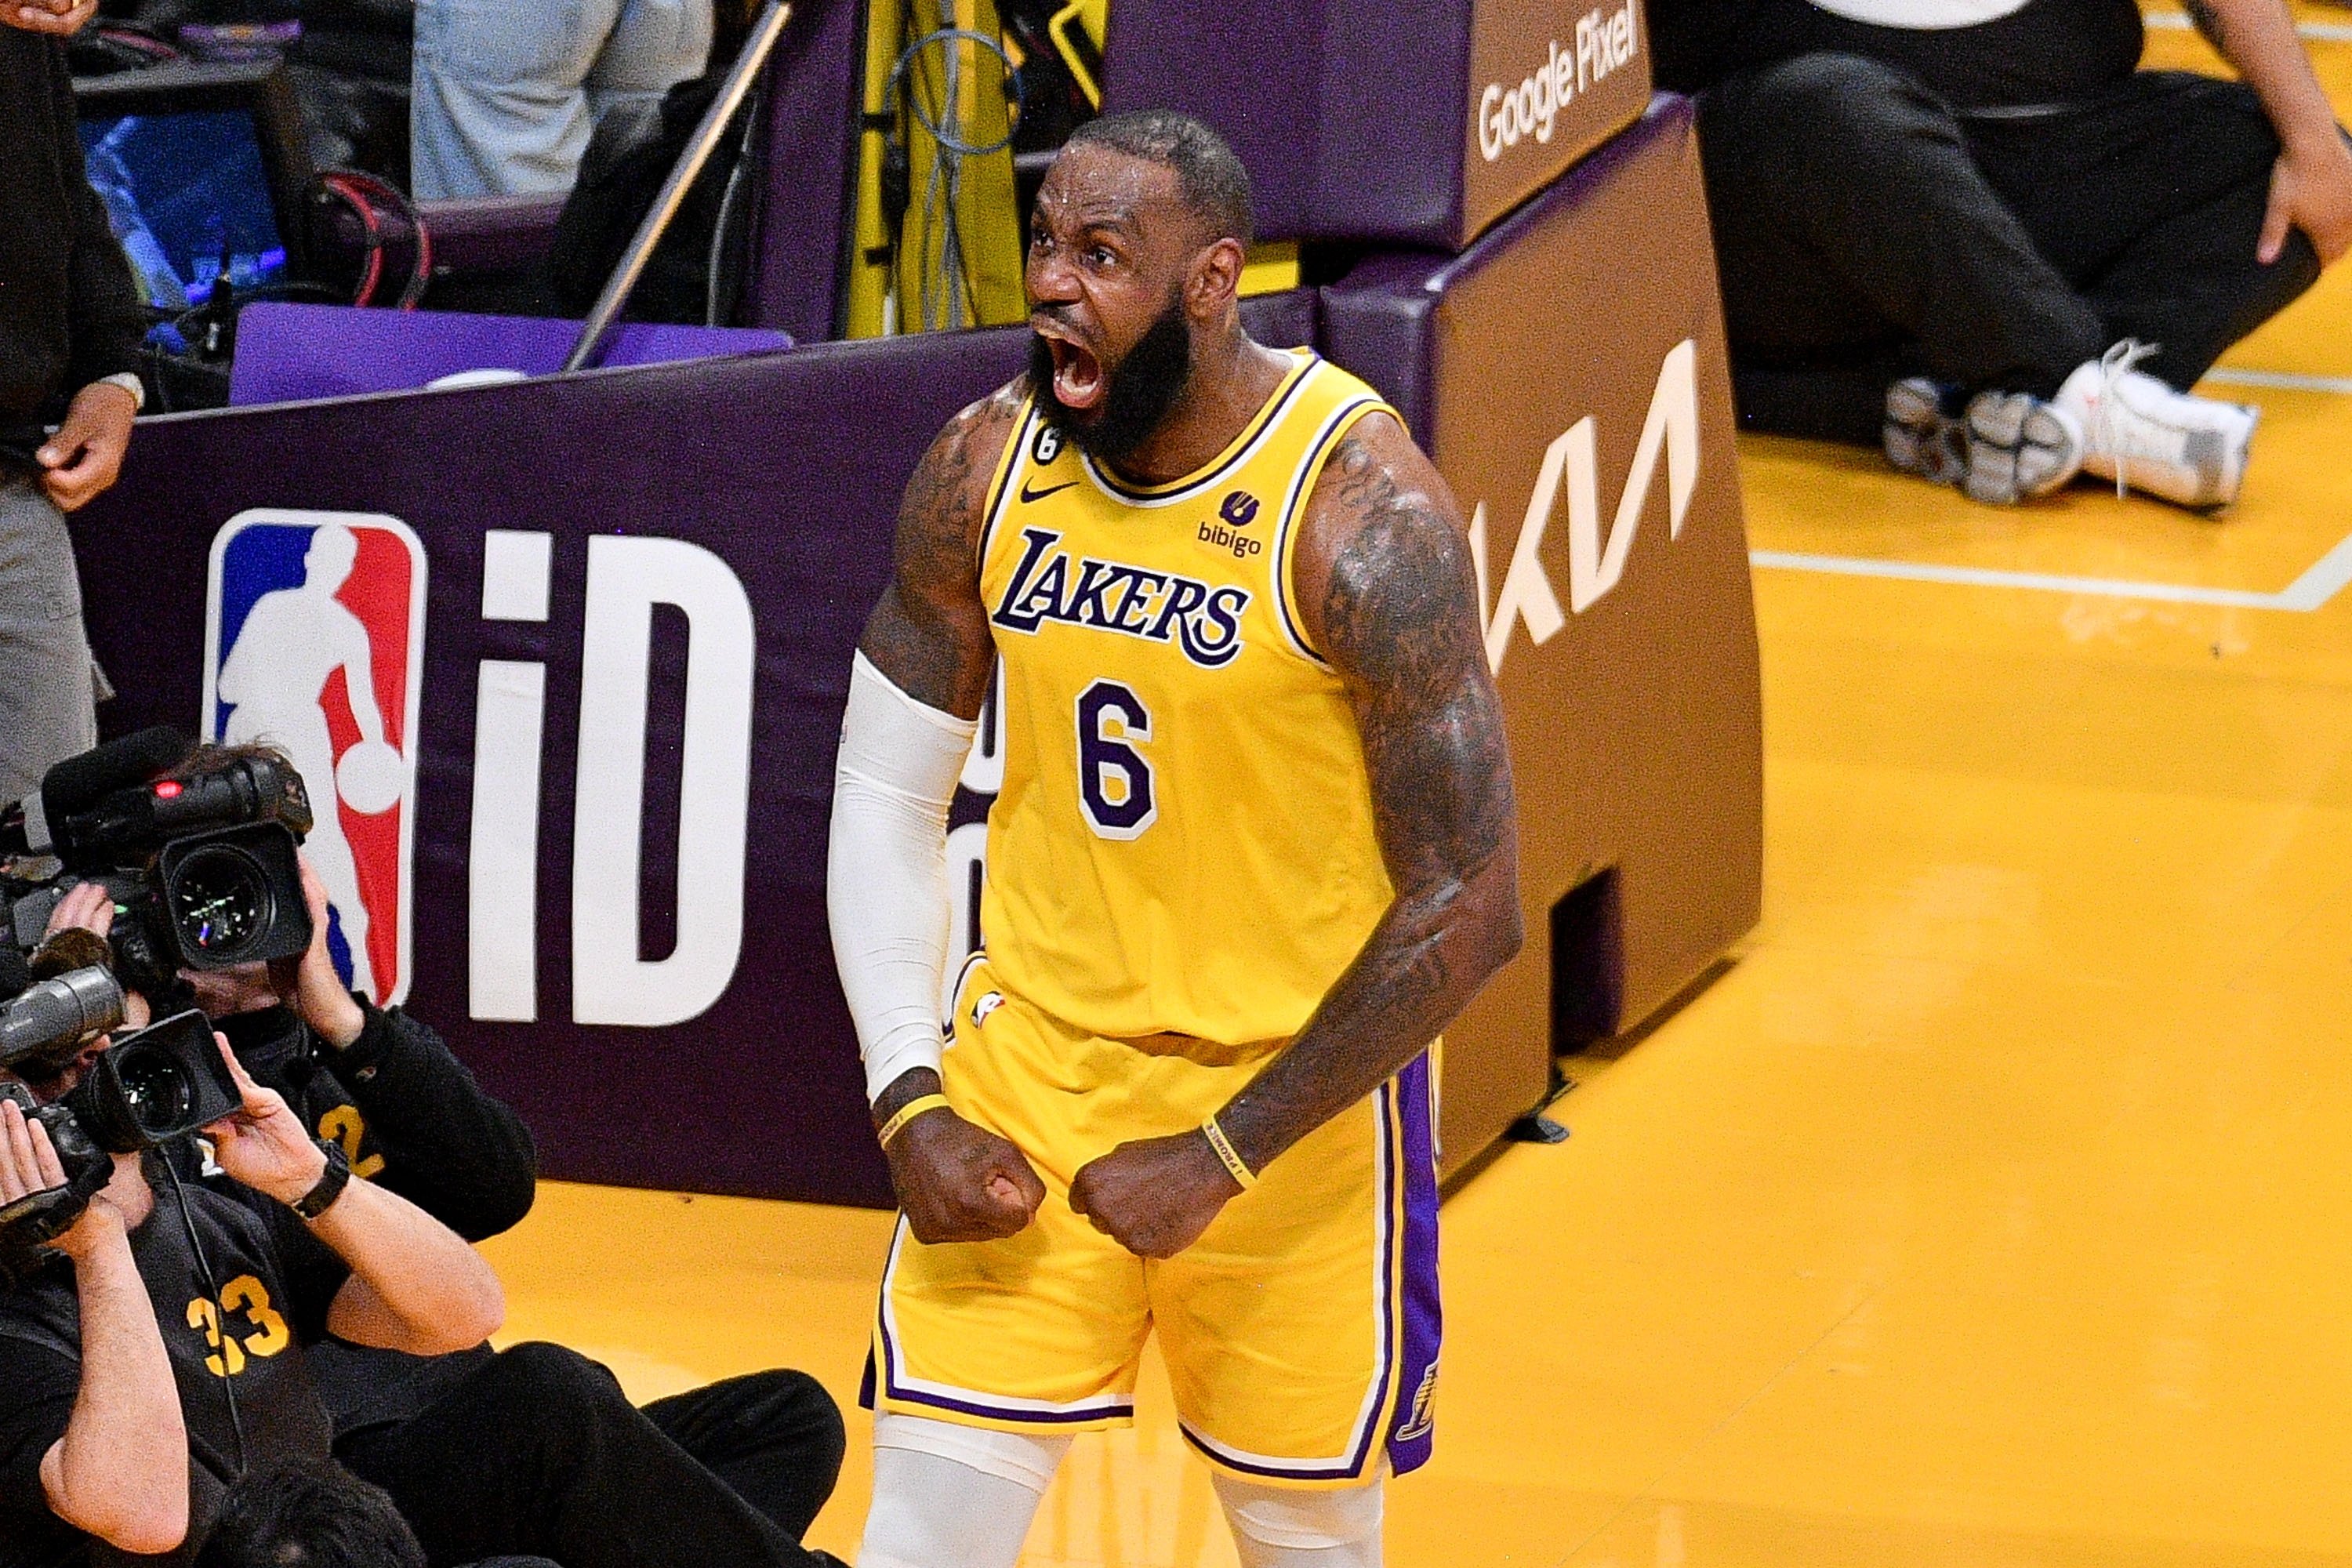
1424,1416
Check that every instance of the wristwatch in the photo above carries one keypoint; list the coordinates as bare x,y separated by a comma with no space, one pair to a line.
331,1182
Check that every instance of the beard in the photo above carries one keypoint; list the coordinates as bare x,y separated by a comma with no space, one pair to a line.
1139,393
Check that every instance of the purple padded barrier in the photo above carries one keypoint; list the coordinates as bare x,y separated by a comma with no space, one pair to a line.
492,234
802,233
286,353
788,466
1381,315
1378,123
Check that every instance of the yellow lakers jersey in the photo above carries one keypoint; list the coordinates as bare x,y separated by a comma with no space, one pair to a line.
1184,842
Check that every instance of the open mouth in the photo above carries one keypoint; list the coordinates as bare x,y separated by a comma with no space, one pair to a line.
1078,381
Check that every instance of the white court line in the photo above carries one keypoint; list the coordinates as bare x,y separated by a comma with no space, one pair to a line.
2326,578
2307,593
2179,22
2282,380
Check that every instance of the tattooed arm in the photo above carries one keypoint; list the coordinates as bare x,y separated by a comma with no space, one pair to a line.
929,632
929,639
2311,184
1385,580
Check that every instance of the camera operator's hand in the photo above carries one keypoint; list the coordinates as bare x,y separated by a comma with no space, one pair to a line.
29,1164
87,906
309,984
85,457
264,1144
58,19
957,1180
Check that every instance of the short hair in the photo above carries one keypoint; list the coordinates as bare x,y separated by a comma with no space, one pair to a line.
1210,177
311,1513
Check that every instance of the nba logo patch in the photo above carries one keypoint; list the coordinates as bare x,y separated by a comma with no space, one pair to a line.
314,643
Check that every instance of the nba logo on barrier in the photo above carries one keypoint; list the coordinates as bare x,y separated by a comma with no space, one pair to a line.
314,643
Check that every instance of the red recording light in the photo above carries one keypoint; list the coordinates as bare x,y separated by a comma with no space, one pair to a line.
168,789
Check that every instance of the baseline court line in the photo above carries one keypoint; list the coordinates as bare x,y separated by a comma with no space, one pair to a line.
2326,579
2282,380
2179,22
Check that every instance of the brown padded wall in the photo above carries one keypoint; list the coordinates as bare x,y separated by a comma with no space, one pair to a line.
1635,730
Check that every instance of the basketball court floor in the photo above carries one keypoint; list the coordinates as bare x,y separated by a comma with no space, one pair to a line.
1993,1210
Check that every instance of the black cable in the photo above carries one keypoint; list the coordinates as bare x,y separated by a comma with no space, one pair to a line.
220,1308
362,191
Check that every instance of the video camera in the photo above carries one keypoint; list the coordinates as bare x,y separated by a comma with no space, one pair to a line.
148,1087
201,866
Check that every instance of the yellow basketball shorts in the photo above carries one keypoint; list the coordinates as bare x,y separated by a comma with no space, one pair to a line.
1300,1332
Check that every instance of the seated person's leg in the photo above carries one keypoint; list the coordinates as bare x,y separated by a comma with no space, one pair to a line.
775,1436
1849,219
949,1494
2152,200
540,1453
497,105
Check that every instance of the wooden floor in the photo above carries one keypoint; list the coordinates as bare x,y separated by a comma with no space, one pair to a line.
1993,1211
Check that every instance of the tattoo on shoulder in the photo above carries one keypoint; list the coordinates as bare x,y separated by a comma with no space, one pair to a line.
1399,619
926,633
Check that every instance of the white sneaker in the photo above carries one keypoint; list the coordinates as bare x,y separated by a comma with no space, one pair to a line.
2139,431
2005,448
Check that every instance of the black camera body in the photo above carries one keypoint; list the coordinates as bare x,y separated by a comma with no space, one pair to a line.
202,868
145,1089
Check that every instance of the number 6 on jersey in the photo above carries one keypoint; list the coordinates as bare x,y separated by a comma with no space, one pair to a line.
1114,781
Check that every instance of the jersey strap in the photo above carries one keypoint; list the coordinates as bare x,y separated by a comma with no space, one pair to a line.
1335,426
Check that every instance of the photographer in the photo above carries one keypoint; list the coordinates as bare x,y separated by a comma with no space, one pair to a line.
70,324
453,1437
141,1385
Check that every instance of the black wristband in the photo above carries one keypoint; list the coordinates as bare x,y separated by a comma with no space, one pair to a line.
338,1176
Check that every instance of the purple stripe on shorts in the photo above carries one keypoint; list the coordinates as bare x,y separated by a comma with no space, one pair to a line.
1344,1472
1411,1432
889,1377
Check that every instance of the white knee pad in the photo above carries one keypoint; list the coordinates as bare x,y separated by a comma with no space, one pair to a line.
1288,1526
948,1494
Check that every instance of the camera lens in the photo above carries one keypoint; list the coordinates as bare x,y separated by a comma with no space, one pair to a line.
156,1090
220,903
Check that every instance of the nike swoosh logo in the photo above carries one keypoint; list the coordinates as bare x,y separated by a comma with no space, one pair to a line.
1028,495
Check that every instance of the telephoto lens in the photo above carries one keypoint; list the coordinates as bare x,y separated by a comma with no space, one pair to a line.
159,1084
231,897
220,903
44,1025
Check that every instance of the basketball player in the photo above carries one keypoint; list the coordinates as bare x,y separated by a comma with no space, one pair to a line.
1256,846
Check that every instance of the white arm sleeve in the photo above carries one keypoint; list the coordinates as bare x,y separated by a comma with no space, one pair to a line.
886,869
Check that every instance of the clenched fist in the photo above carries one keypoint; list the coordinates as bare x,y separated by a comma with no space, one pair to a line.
957,1180
1155,1196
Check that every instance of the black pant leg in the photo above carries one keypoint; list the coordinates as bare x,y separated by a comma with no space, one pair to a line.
2150,200
775,1436
1852,227
540,1454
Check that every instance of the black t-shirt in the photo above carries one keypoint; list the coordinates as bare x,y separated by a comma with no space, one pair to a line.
410,1117
2041,51
276,1281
